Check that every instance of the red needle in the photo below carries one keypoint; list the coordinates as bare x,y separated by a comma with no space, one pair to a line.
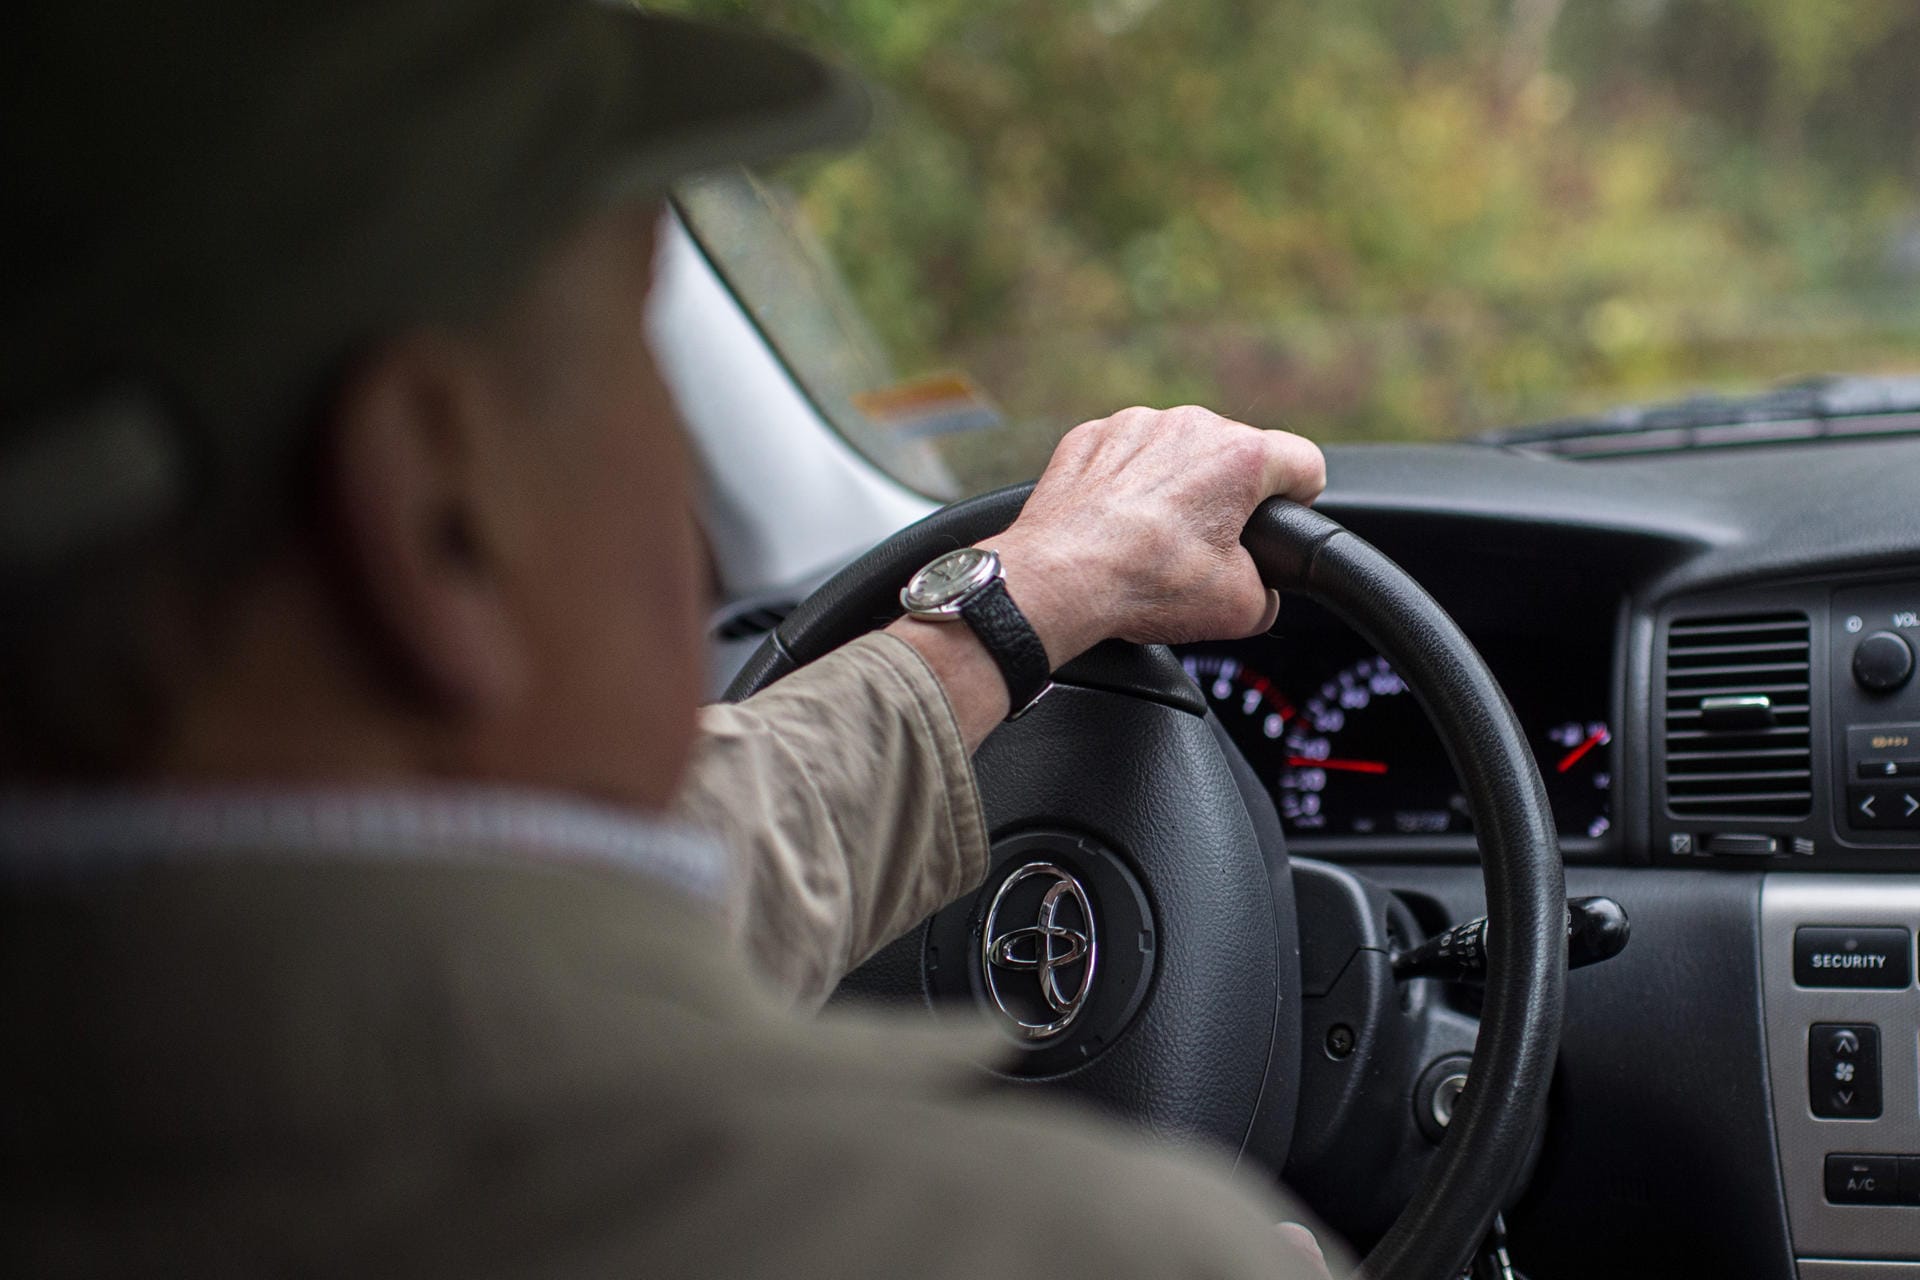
1344,766
1594,739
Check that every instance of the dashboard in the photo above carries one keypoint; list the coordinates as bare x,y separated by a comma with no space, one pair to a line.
1716,657
1347,752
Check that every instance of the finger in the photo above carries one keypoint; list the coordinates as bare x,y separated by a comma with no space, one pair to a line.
1301,1241
1295,467
1272,615
1255,605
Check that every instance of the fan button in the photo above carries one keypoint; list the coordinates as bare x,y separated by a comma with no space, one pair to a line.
1843,1071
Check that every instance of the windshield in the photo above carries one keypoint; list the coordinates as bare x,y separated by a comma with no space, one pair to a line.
1358,219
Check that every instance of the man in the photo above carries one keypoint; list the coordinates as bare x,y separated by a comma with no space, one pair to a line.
349,629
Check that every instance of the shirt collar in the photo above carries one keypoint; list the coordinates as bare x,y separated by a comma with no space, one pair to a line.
71,834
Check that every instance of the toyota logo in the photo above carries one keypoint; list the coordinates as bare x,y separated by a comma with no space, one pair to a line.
1039,974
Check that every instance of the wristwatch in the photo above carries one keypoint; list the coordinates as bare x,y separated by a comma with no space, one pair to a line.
969,585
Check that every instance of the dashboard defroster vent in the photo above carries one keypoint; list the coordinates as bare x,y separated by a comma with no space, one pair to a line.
1738,736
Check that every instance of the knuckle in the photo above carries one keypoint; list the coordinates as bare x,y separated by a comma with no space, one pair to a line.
1193,417
1244,451
1083,441
1115,426
1307,462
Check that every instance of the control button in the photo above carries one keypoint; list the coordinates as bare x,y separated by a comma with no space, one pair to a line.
1680,843
1863,1179
1843,1071
1872,770
1882,662
1879,741
1827,956
1744,846
1909,1180
1884,808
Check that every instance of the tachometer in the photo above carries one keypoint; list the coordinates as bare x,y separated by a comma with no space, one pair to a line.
1244,699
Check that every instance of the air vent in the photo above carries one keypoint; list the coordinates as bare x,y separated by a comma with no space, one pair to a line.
1739,742
750,622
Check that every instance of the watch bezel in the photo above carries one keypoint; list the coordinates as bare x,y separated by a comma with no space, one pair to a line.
953,598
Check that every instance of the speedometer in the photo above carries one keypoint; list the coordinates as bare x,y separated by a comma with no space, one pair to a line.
1361,759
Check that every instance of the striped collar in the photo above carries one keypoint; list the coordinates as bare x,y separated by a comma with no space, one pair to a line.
73,834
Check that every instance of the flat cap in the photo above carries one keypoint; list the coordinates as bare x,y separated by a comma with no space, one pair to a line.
208,205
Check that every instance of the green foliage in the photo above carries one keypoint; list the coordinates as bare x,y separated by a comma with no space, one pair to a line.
1369,219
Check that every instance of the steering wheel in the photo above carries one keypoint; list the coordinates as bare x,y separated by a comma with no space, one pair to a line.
1133,933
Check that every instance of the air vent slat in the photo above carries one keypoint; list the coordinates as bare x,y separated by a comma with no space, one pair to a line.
1758,775
1689,631
1780,649
1758,753
1781,710
751,621
1732,672
1740,771
1768,689
1721,735
1751,804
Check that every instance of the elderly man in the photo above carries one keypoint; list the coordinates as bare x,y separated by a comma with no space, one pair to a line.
358,917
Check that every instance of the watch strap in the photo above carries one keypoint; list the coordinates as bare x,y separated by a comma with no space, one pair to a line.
1012,642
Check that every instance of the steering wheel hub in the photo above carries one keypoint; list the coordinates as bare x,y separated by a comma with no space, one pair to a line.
1057,946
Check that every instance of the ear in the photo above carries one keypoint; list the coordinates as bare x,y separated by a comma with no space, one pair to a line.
410,510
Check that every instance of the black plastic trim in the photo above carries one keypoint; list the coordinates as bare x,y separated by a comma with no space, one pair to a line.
1660,1160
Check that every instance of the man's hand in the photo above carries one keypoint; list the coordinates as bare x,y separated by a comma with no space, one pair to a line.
1132,532
1299,1246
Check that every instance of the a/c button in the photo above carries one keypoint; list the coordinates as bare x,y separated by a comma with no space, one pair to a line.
1878,956
1863,1179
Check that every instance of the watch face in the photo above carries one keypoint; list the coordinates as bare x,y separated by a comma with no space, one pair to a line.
949,579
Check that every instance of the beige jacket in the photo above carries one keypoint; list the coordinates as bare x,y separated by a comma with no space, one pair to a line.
331,1067
848,789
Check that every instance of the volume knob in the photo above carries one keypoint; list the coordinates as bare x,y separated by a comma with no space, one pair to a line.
1882,662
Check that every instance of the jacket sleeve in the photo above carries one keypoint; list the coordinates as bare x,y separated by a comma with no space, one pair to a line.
846,794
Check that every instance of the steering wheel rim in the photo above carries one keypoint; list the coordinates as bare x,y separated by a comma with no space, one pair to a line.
1302,551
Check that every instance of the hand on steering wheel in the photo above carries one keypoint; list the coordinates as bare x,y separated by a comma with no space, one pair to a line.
1133,530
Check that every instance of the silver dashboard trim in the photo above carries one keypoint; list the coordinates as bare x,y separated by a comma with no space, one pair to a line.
1824,1234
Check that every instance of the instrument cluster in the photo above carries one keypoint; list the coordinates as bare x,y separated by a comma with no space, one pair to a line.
1347,751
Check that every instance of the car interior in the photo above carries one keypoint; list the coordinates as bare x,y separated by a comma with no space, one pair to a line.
1553,863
